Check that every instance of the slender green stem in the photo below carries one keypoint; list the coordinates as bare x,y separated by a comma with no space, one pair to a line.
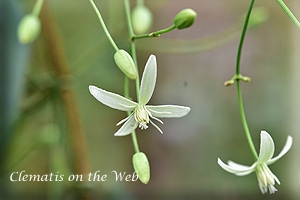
132,47
133,134
37,7
135,142
289,13
137,81
238,60
104,26
244,121
154,34
128,17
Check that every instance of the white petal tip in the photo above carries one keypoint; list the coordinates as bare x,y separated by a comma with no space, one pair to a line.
120,134
152,56
91,88
263,132
94,90
188,109
219,160
289,142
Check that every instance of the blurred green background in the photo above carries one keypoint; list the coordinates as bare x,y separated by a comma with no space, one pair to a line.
193,64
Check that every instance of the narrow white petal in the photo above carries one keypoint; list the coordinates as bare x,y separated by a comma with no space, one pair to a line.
235,170
266,147
249,169
244,173
237,166
112,100
285,149
242,167
168,111
129,126
148,80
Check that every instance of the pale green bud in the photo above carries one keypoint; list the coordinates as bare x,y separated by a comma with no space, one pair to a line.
141,167
141,19
245,79
185,18
29,28
259,15
125,63
229,83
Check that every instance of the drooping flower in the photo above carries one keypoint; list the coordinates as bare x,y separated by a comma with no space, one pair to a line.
266,179
141,113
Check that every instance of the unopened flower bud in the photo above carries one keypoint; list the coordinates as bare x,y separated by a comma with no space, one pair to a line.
125,63
141,167
141,19
29,28
185,18
245,79
229,83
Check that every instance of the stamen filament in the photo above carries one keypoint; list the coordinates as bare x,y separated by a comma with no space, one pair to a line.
156,127
123,120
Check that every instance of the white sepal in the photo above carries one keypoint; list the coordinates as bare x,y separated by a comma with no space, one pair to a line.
148,80
168,111
112,100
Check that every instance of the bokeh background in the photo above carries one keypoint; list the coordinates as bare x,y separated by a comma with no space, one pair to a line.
193,64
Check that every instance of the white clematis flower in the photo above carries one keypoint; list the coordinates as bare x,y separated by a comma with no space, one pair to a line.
141,113
266,179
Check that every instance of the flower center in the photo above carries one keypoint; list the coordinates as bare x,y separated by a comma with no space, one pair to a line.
141,115
266,178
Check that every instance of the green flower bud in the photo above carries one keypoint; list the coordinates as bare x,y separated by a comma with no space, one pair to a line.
141,167
229,83
29,28
259,15
245,79
125,63
185,18
141,19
